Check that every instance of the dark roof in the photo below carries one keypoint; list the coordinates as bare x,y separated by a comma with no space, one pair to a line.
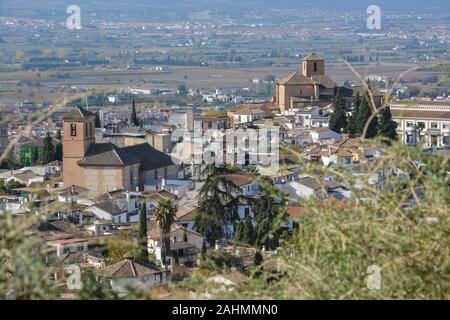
298,78
77,113
108,154
150,157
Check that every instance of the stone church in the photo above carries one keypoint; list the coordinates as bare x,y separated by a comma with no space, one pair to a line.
102,167
309,84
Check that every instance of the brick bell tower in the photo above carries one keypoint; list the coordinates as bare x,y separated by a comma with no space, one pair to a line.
79,136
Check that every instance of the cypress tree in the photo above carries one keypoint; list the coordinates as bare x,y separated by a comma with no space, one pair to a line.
363,116
142,235
134,119
143,224
185,236
238,234
98,124
48,153
58,147
352,121
203,251
248,232
58,151
387,127
338,119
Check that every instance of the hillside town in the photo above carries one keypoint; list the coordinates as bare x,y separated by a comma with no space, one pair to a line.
140,195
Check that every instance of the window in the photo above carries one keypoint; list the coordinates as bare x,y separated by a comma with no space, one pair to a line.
446,140
247,211
409,124
409,139
434,125
85,130
315,66
73,129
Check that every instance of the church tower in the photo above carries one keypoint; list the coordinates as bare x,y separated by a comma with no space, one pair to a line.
313,65
79,136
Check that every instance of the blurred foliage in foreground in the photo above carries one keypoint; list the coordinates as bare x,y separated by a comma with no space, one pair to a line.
329,256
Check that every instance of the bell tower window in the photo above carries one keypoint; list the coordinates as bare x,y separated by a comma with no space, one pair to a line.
315,66
73,130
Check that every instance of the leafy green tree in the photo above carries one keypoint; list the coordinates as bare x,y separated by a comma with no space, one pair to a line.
48,154
165,216
35,157
2,187
252,170
338,119
387,127
134,119
182,90
218,199
258,258
58,135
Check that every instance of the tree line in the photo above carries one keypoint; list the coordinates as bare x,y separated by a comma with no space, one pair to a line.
354,121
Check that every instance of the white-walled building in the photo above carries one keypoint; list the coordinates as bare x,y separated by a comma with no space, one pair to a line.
65,246
423,121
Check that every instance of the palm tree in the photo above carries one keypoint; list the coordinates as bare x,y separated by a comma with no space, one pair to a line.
165,215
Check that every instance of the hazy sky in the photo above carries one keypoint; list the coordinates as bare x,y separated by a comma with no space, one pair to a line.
405,5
